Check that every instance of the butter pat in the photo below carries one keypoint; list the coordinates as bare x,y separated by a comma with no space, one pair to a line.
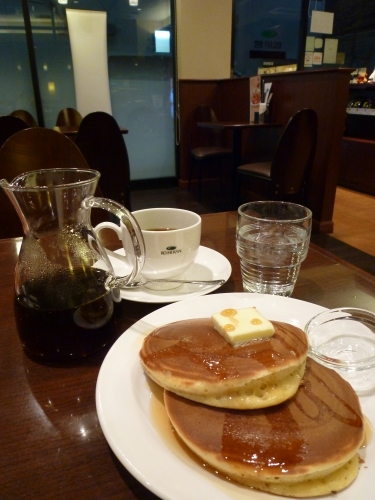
242,325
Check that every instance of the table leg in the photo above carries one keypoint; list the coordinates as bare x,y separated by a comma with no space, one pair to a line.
237,159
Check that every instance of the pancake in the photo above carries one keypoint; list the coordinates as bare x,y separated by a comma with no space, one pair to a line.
193,360
305,447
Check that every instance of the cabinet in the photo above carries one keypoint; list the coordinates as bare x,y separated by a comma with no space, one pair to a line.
357,169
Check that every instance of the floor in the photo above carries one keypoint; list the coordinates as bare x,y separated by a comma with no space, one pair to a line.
353,238
354,219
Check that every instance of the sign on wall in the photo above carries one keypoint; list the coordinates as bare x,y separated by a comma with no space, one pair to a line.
88,41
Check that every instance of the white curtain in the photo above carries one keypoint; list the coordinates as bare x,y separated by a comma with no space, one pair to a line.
88,41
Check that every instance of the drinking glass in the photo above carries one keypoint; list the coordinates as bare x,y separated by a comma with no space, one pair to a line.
272,240
344,339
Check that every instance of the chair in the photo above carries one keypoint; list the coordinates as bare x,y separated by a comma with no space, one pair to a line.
285,177
206,146
25,116
68,117
32,149
100,140
10,125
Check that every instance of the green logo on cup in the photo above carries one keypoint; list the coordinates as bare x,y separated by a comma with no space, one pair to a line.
171,250
269,33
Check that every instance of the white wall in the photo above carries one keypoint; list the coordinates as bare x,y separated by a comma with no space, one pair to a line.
204,33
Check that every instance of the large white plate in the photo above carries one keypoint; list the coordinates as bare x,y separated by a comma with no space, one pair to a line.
134,423
208,265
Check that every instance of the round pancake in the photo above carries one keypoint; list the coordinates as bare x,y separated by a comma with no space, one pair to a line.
193,360
306,446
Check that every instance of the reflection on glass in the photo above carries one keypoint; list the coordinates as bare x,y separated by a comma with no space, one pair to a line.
266,35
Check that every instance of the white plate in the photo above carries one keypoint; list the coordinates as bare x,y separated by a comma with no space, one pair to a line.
136,427
208,265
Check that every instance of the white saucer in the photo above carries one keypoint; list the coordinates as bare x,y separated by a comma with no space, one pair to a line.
208,265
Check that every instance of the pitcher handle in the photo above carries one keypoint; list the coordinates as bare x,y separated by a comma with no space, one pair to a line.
128,230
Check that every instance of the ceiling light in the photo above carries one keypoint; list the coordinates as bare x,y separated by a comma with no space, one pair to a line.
133,3
63,2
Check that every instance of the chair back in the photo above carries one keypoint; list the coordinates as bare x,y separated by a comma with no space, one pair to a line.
68,117
199,136
10,125
26,116
100,140
32,149
294,155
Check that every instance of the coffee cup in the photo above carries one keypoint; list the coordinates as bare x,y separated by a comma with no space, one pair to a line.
172,238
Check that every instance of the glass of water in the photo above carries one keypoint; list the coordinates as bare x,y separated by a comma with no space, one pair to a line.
272,239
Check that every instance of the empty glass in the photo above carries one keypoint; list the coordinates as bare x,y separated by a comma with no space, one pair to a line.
344,339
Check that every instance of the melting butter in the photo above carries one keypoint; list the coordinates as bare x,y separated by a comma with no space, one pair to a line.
242,325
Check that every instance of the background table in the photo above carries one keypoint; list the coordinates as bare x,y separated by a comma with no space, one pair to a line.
237,128
71,131
52,446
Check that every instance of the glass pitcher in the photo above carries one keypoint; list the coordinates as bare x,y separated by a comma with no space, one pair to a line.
65,287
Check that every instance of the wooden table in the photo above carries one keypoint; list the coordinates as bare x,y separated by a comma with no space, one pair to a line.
71,131
51,443
237,128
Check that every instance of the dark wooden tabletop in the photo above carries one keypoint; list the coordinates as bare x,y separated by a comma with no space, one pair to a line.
51,443
238,125
72,130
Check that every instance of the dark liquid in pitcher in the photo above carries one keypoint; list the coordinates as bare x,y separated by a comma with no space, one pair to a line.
65,316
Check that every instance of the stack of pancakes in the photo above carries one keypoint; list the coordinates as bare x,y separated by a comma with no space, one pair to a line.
262,414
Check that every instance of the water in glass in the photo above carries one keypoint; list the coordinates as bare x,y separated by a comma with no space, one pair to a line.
270,254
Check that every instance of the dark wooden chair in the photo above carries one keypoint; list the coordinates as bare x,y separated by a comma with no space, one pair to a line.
26,116
10,125
206,146
68,117
100,140
32,149
285,177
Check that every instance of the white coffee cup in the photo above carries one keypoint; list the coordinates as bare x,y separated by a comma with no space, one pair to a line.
172,238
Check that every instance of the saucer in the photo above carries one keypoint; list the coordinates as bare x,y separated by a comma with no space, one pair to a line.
208,265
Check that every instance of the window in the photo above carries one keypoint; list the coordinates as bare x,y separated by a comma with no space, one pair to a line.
267,35
141,78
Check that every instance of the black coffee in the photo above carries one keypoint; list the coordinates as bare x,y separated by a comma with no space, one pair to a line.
65,317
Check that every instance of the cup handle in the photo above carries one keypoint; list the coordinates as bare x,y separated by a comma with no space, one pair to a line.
128,232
